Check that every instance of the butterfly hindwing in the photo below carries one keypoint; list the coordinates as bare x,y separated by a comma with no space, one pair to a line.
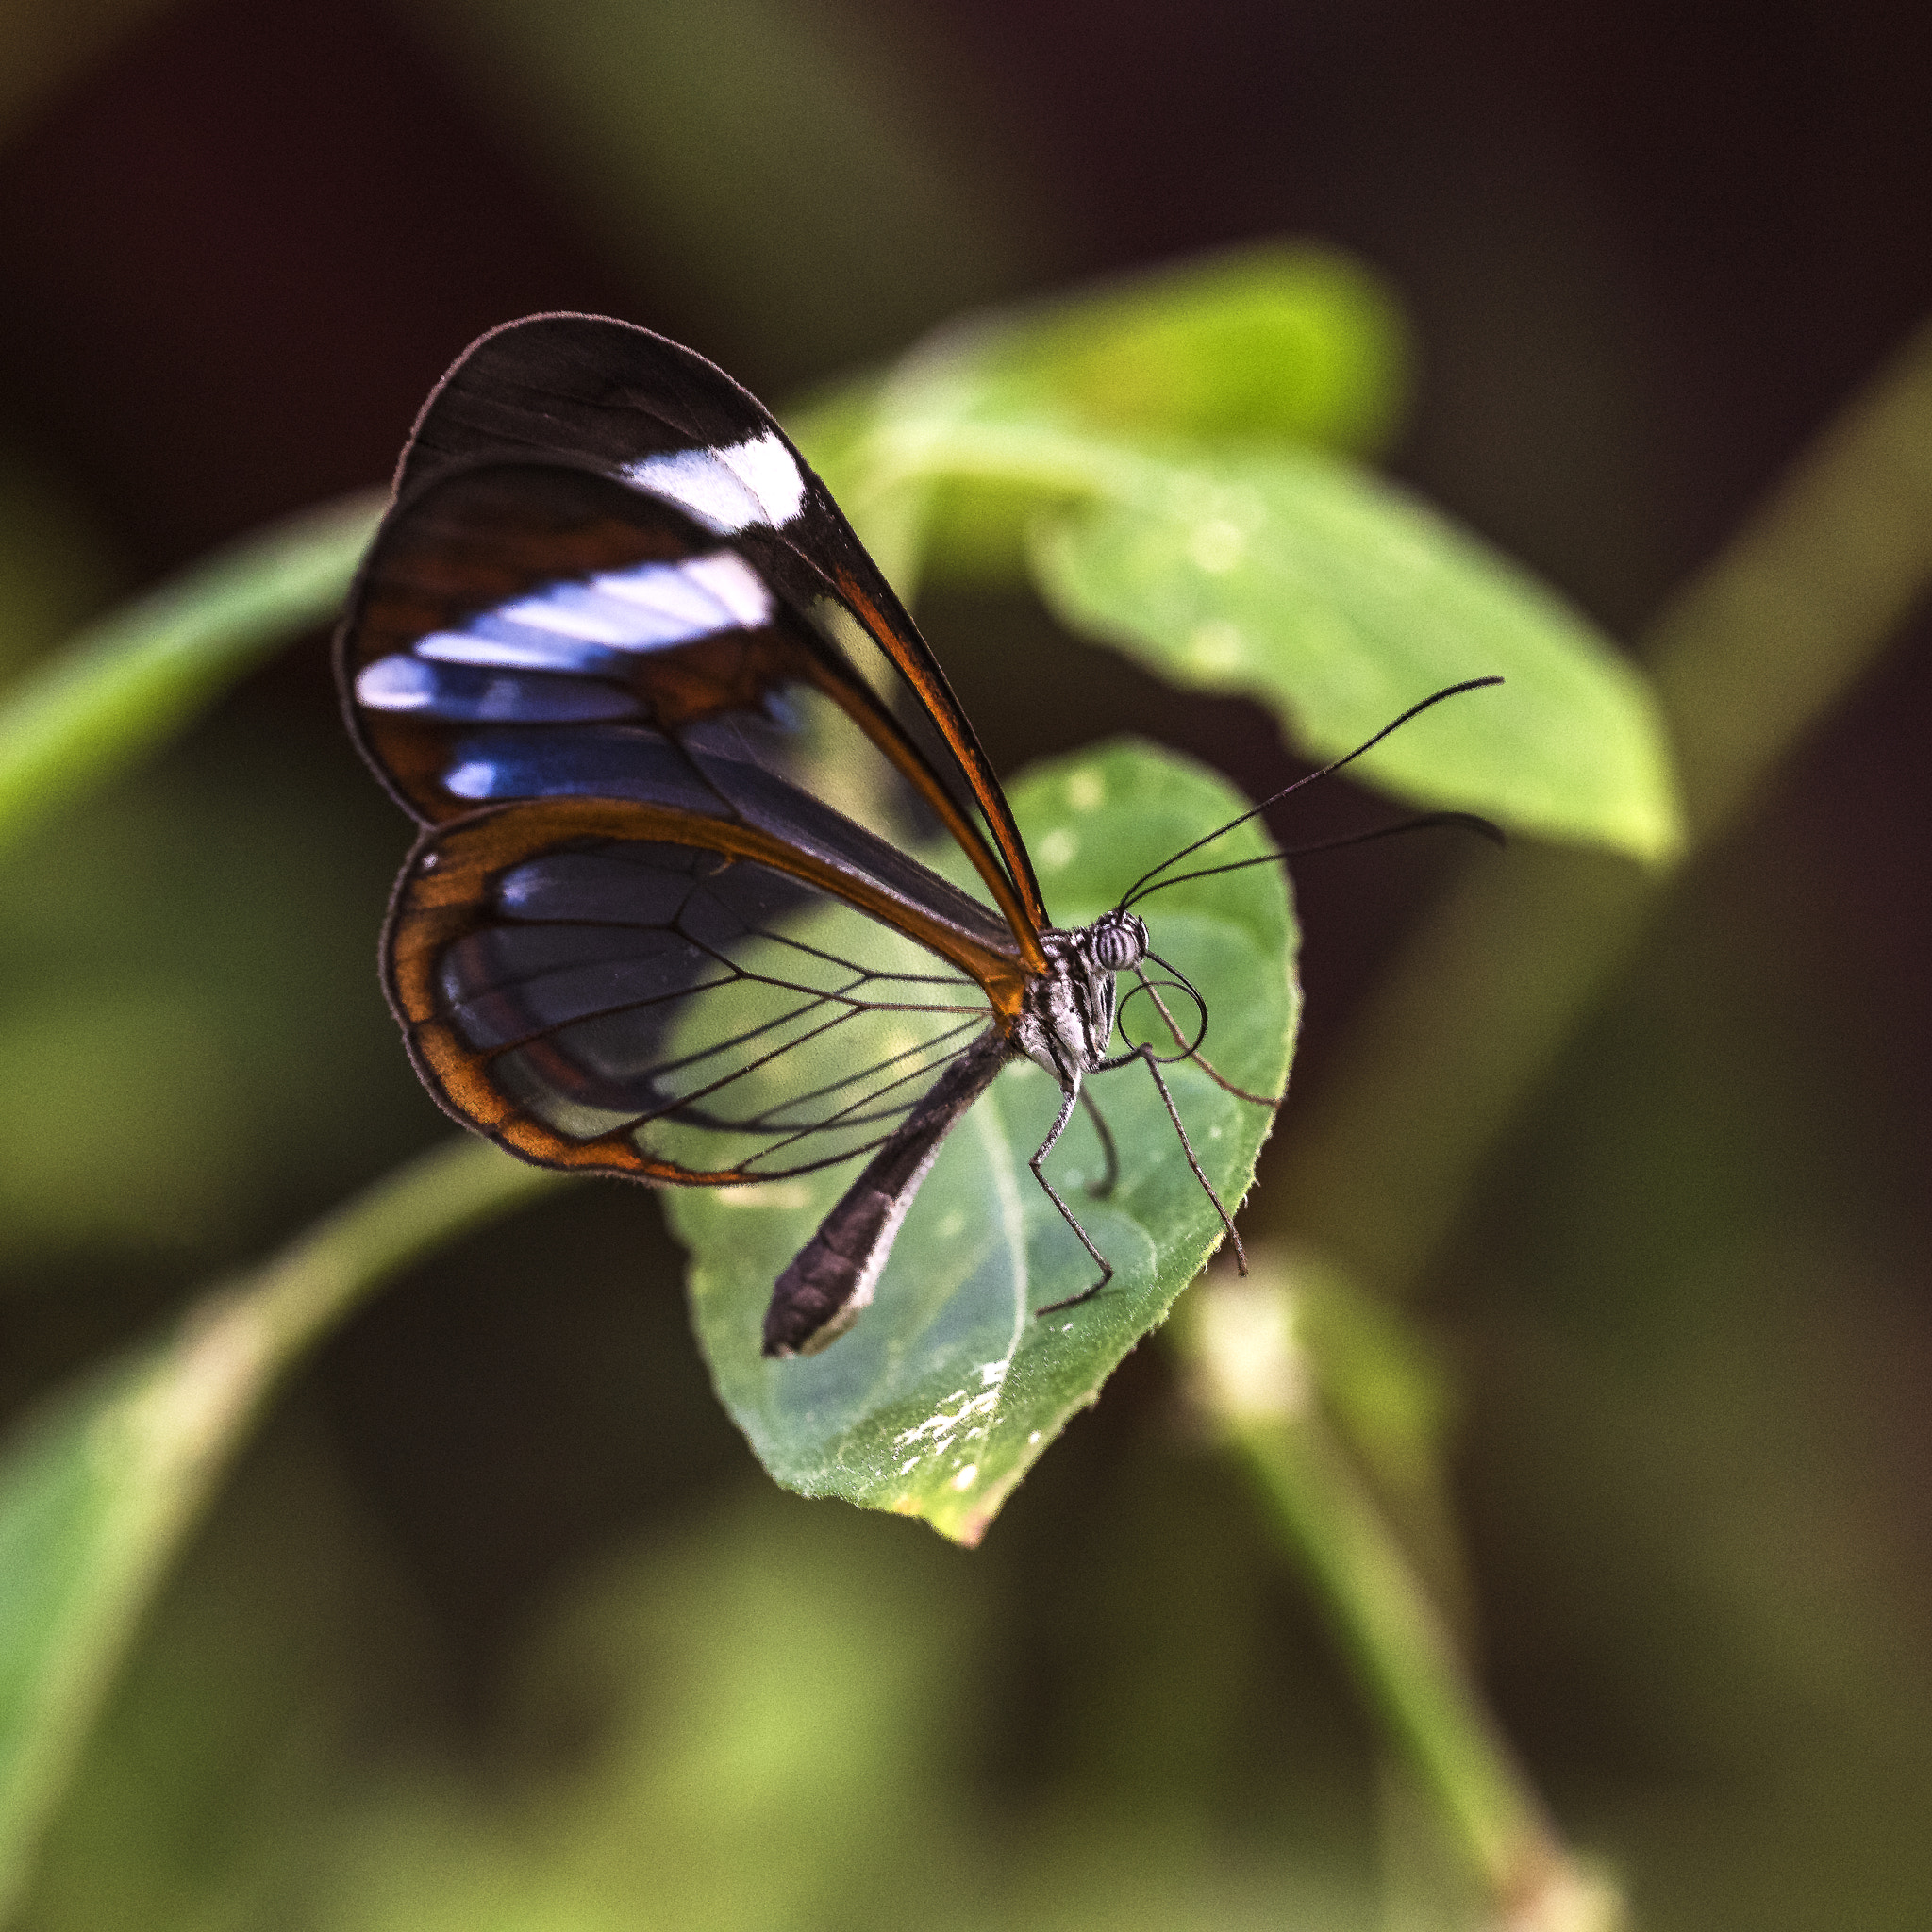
639,988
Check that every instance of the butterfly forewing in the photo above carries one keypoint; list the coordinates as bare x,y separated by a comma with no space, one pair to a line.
501,601
619,396
665,423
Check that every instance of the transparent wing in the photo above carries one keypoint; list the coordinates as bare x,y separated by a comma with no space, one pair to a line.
606,986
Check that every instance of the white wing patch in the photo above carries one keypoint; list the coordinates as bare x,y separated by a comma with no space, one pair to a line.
744,485
725,576
768,471
395,684
574,635
585,627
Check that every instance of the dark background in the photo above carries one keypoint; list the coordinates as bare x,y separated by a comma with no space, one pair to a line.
1646,250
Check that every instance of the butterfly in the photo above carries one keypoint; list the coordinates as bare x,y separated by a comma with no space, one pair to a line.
662,722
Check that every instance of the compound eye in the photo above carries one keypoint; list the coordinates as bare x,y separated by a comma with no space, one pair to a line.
1119,945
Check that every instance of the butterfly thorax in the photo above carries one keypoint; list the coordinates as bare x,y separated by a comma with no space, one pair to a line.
1066,1016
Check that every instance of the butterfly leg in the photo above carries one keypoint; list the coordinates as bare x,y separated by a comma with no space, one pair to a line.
1104,1186
1241,1256
1036,1164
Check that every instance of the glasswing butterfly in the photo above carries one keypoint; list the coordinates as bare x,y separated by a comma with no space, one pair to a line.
660,717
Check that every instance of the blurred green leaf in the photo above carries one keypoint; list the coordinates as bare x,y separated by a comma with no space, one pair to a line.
194,1044
687,1751
1390,1390
1226,560
708,1725
132,681
1248,1374
1389,1394
1336,601
124,1128
98,1488
1281,343
285,1653
1339,601
947,1391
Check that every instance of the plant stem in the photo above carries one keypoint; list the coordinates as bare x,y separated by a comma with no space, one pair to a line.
1248,1376
1378,1169
102,1483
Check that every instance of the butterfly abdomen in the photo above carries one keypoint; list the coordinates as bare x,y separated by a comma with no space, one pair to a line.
831,1279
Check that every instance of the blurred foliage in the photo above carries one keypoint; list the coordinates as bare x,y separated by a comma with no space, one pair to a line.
1187,527
49,45
179,959
1340,605
1682,1324
1263,345
94,1525
684,1700
132,681
99,1488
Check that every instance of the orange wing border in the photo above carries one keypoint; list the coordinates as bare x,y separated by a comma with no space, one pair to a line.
892,628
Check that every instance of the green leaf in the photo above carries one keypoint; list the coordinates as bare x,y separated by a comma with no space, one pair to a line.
99,1488
947,1389
1284,574
1277,344
1339,601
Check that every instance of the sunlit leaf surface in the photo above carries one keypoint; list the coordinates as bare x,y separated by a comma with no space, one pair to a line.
948,1390
1288,342
1339,601
1281,343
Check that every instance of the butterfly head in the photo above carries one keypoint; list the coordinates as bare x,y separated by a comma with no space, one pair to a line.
1119,940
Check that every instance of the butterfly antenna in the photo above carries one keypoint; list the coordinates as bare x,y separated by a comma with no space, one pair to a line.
1174,1113
1145,883
1426,822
